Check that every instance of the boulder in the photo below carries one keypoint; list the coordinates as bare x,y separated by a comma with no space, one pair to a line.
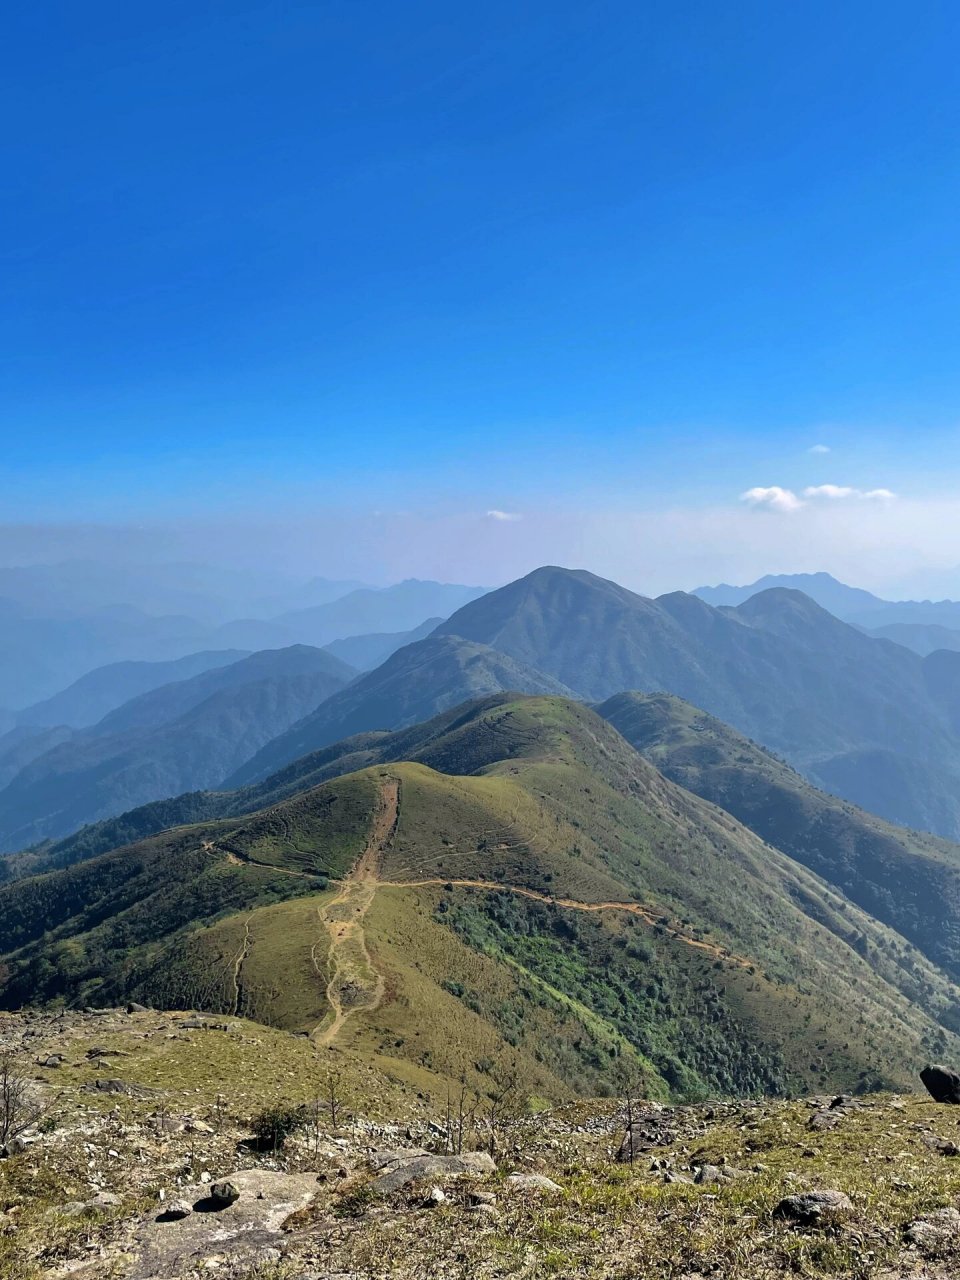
812,1207
120,1086
402,1170
935,1230
390,1157
174,1211
77,1208
943,1146
531,1182
168,1246
942,1084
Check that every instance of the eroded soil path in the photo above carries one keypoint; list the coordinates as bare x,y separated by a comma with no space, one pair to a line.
572,904
353,981
238,964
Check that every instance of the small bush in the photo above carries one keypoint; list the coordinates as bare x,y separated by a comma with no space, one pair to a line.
274,1125
20,1105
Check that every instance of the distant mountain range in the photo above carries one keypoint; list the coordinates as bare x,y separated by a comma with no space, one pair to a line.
857,715
852,604
58,623
367,652
182,736
862,717
99,692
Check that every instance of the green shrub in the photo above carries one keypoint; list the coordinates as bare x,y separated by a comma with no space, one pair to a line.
274,1125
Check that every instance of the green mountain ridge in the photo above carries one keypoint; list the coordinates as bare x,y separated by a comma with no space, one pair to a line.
778,668
908,879
555,899
414,684
857,715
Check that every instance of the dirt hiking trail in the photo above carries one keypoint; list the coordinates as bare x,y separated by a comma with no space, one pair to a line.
353,982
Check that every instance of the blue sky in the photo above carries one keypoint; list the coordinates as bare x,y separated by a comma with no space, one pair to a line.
562,261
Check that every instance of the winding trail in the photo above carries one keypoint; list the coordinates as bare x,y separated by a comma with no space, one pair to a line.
238,966
353,981
572,904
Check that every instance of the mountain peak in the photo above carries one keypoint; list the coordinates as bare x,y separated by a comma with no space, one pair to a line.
785,608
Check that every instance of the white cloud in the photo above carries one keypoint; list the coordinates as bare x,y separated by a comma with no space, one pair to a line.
829,491
773,497
819,448
776,498
508,516
836,491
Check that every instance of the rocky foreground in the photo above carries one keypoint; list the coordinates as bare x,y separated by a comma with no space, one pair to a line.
140,1163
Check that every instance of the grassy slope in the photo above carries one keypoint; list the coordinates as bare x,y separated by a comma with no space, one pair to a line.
907,879
726,967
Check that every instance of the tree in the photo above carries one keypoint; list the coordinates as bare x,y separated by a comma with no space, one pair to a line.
462,1106
632,1084
504,1099
20,1104
333,1094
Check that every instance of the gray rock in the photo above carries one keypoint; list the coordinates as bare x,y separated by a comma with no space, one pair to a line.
120,1086
390,1157
934,1230
72,1209
531,1182
845,1102
76,1208
168,1249
943,1146
205,1024
404,1171
174,1211
224,1193
711,1173
811,1207
104,1200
